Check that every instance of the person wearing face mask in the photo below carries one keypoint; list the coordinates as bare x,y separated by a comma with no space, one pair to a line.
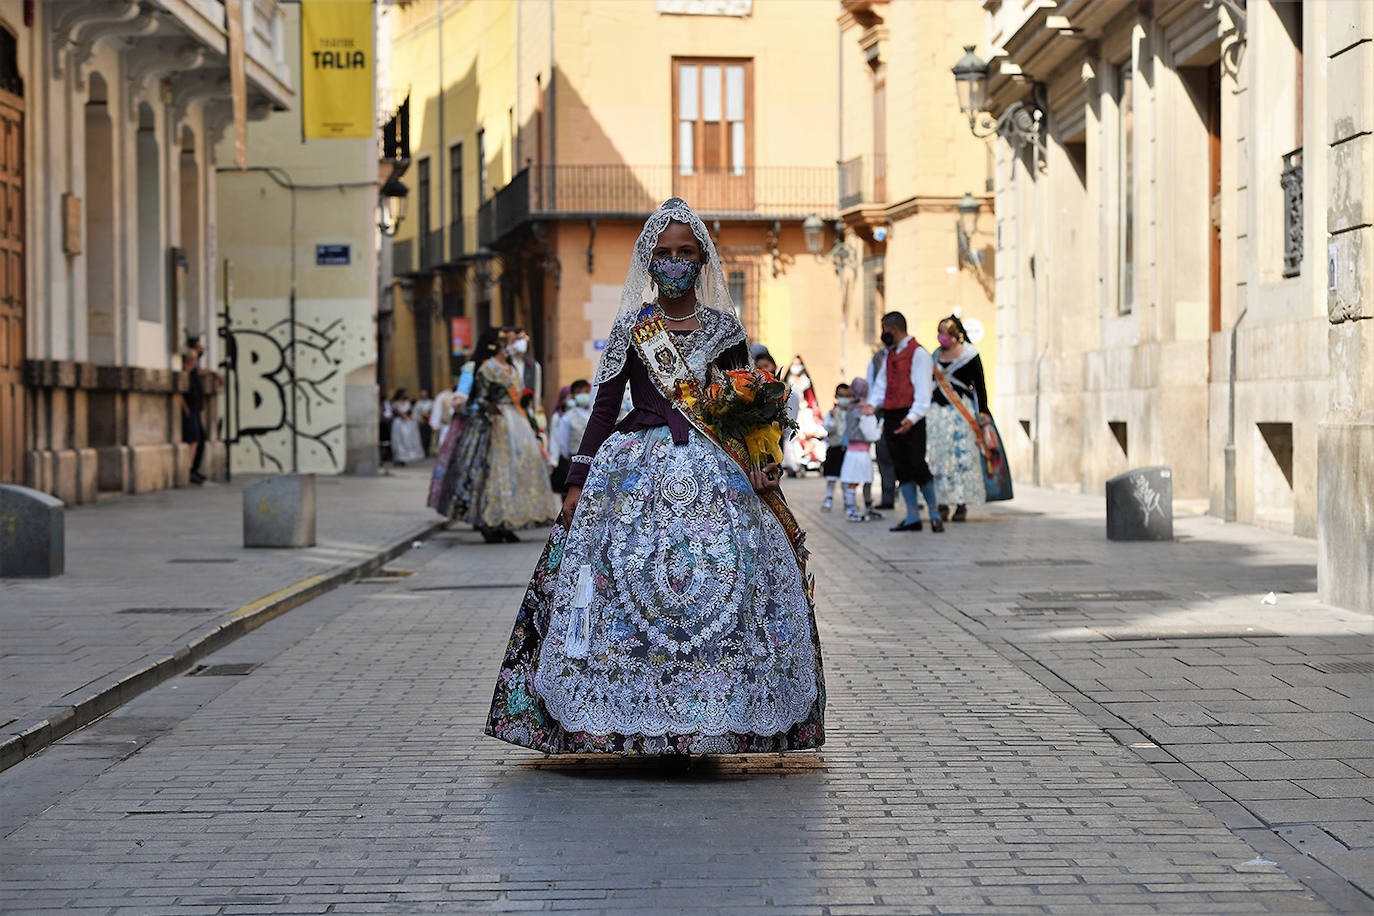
958,410
524,363
809,452
900,385
672,611
568,430
834,443
498,479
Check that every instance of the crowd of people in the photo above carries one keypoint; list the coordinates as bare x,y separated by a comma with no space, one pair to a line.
920,417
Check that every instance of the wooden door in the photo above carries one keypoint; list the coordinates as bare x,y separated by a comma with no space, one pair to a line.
12,287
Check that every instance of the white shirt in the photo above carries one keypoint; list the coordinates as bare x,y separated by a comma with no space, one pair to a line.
921,374
567,432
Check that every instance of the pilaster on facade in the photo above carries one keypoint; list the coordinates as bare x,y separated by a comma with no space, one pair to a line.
119,244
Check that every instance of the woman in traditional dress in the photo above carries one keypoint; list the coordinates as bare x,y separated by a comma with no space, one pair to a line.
497,480
958,408
671,612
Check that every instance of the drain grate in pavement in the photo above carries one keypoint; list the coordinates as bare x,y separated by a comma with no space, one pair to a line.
453,588
1342,667
167,610
225,669
1049,609
203,560
1143,634
1117,595
1033,561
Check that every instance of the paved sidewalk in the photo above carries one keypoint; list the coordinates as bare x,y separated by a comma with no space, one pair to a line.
348,773
147,573
1264,714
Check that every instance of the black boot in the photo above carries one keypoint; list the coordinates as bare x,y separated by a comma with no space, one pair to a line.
936,526
960,512
943,510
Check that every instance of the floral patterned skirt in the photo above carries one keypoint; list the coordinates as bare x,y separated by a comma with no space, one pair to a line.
670,619
501,478
953,457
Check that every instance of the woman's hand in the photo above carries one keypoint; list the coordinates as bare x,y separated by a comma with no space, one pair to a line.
765,478
570,505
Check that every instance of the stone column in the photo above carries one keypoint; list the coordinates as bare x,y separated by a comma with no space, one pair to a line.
1345,455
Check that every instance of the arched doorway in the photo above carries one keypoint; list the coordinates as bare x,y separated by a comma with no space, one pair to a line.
13,282
101,331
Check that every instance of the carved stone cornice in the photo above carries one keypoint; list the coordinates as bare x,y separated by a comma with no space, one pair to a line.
154,59
75,19
145,23
210,84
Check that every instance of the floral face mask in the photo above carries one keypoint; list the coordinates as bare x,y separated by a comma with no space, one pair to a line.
674,276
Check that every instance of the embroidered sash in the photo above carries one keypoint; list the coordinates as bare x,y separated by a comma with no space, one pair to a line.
960,406
670,374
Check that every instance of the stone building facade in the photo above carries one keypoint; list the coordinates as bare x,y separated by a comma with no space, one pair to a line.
1184,262
110,111
906,165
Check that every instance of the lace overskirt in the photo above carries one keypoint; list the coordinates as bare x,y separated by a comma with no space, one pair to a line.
501,478
671,618
953,457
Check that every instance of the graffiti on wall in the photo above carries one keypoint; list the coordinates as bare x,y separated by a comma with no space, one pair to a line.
276,420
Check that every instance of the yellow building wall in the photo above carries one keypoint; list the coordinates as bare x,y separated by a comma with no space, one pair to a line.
331,412
623,113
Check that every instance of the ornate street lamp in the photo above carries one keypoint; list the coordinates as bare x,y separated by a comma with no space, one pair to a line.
971,83
391,206
1020,123
968,208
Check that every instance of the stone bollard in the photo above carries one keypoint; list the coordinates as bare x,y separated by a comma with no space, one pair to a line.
280,512
32,533
1140,505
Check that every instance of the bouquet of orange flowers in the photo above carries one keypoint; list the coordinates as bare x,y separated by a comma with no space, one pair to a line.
750,405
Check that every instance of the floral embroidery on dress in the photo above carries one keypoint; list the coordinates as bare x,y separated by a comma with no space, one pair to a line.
699,635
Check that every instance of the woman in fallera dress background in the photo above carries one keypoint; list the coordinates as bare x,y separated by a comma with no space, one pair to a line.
671,612
952,441
497,480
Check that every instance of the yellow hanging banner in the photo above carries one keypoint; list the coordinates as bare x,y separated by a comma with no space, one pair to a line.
336,69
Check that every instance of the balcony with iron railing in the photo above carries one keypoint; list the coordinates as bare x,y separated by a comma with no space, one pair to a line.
1291,180
633,192
863,180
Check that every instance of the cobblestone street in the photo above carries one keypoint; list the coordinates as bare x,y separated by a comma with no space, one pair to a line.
1023,717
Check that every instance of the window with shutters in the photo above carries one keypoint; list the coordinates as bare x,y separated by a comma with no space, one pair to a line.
713,153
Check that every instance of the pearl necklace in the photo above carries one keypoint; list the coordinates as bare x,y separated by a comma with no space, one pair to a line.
696,313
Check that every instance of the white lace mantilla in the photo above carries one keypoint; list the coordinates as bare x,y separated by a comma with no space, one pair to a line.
696,618
721,327
718,333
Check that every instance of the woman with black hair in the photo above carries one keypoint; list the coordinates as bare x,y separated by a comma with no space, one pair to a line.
497,480
958,409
